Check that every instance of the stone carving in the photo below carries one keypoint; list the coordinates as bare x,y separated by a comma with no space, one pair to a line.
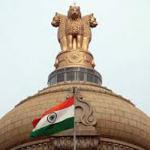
114,146
74,58
87,143
85,116
74,30
59,20
63,143
88,21
82,143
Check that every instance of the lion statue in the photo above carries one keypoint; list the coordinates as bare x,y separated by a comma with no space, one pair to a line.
59,20
74,28
88,21
74,31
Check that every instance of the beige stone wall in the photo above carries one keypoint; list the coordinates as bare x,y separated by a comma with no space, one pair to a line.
117,118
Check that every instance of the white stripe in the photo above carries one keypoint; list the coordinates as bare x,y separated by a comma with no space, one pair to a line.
61,115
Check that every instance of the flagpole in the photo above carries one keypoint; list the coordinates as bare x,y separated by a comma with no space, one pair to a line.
74,133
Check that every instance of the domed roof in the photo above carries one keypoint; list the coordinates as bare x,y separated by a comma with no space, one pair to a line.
117,118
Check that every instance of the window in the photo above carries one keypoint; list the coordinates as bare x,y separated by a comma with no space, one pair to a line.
53,80
80,76
60,77
70,76
96,79
74,74
89,78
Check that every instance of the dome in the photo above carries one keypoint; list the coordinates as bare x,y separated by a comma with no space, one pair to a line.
117,118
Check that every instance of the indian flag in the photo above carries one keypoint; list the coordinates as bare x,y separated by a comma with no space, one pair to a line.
54,120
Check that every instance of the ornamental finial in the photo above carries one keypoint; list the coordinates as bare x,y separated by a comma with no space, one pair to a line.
74,4
74,36
74,31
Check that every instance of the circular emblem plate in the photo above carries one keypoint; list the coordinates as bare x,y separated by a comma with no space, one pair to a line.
51,118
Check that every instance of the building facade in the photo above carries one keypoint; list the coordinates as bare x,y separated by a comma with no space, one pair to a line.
104,120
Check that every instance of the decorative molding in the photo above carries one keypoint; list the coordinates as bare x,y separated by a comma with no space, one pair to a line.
82,143
116,146
74,58
86,116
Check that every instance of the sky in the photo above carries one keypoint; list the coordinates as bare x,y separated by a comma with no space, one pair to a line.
120,45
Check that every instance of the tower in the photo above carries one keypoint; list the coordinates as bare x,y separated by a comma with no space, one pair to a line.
104,120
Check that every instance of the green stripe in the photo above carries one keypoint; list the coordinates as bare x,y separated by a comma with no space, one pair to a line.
55,128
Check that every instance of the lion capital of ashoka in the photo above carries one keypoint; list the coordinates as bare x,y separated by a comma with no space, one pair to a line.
74,31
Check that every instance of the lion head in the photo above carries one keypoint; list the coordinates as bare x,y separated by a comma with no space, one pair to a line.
74,12
92,21
56,20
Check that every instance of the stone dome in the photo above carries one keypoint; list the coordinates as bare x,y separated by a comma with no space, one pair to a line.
118,120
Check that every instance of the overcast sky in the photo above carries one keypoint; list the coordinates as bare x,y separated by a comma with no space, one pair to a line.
120,45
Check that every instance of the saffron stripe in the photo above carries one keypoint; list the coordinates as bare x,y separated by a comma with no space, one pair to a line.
61,115
65,104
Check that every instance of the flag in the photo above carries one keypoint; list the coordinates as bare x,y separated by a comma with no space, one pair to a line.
54,120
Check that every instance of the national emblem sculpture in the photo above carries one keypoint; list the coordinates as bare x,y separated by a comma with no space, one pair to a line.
74,31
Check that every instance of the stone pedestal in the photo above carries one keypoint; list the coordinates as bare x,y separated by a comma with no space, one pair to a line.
74,58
